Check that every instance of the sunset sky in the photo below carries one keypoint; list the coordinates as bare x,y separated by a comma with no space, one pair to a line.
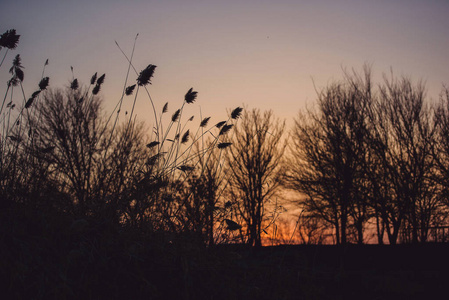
265,54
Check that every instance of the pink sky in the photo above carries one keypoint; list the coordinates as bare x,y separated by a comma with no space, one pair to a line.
260,53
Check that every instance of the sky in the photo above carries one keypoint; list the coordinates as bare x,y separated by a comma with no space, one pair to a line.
262,54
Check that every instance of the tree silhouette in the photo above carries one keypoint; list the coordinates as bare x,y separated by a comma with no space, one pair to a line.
89,162
402,139
328,153
201,188
255,164
441,149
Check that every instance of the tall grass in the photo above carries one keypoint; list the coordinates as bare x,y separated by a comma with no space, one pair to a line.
97,188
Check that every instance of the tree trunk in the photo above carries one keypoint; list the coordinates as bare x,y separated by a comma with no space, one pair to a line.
380,229
337,230
360,232
344,221
210,225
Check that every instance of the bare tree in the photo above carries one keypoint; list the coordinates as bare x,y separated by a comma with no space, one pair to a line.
442,144
312,229
255,164
202,187
402,139
441,154
328,156
89,160
74,133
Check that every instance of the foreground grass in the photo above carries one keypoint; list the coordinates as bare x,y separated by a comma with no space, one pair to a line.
50,256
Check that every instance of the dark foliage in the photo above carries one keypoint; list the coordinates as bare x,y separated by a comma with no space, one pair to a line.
185,137
129,90
191,95
43,84
9,39
100,79
223,145
175,116
74,85
165,108
152,144
225,129
93,79
220,124
236,113
145,75
96,89
91,210
204,122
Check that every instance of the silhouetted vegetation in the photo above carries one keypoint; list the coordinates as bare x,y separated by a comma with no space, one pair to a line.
329,157
96,204
372,156
97,188
255,161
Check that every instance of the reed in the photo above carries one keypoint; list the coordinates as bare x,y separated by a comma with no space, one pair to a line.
94,178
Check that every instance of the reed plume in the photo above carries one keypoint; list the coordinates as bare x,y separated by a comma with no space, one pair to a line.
191,95
9,39
145,75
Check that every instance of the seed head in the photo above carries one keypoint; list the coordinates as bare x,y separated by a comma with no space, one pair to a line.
96,89
191,95
185,137
93,79
220,124
152,144
100,79
223,145
44,83
204,122
9,39
225,129
74,85
175,116
236,113
145,75
129,90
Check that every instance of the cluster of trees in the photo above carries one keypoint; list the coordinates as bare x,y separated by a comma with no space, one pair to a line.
373,155
61,154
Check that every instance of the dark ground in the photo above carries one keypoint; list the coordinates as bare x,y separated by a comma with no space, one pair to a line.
45,258
343,272
363,272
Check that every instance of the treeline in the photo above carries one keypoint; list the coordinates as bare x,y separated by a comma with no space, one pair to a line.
63,159
60,153
367,155
372,154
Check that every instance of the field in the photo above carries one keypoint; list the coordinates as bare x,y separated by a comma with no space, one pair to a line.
41,262
338,272
96,205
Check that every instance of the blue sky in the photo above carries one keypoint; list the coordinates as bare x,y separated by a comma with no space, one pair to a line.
265,54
